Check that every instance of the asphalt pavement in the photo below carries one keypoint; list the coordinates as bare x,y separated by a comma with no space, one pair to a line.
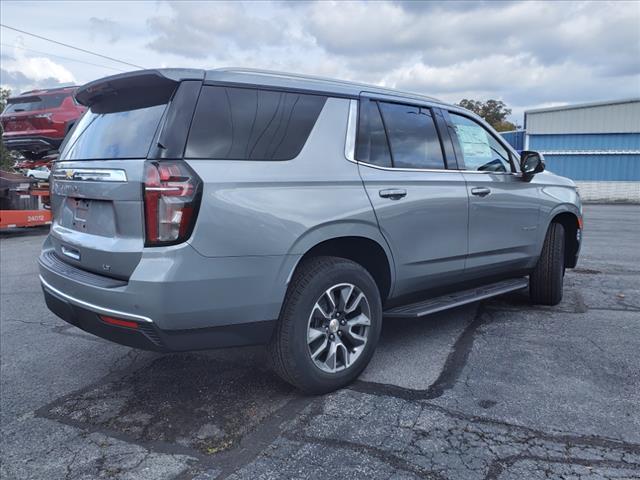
494,390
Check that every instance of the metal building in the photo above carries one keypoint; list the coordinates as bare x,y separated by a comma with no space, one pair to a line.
595,144
515,138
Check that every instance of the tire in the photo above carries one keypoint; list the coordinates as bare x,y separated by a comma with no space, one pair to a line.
545,282
307,321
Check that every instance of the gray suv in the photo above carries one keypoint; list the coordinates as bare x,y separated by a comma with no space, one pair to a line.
201,209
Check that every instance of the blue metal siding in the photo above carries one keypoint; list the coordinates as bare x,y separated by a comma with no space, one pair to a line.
603,141
595,167
515,138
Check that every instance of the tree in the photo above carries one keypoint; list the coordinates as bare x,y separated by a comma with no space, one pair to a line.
7,158
495,112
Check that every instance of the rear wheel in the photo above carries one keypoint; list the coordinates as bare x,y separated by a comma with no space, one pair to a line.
329,325
546,280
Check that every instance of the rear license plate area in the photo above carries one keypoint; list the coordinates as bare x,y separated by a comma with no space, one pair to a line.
80,211
95,217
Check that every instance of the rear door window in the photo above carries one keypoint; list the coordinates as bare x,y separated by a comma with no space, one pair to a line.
372,146
412,136
251,124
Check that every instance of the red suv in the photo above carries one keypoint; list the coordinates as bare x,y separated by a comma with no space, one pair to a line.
35,123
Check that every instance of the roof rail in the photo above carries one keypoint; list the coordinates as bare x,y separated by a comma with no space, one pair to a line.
298,76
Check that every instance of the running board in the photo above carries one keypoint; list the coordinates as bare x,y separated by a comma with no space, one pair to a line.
452,300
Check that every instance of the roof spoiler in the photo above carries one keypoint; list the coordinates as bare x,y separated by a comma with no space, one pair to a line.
148,85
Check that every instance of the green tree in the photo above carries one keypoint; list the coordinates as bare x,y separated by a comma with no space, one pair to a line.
7,158
495,112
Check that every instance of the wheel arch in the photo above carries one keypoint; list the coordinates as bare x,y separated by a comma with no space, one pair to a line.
569,219
372,254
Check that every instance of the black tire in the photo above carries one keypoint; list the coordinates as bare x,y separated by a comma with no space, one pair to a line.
289,352
545,282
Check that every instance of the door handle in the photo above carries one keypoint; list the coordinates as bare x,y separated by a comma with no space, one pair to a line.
480,191
393,193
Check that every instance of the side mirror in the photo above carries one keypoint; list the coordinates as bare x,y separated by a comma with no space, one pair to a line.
531,162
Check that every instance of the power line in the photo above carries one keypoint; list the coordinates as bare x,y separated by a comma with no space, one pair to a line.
71,46
60,56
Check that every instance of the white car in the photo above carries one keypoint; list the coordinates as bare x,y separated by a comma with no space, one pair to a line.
39,173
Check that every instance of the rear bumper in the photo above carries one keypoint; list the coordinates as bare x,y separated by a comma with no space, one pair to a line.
178,299
147,336
31,143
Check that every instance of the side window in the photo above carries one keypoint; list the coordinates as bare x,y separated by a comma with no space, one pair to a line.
372,144
481,151
251,124
412,136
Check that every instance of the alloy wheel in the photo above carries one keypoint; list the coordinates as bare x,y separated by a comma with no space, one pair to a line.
338,327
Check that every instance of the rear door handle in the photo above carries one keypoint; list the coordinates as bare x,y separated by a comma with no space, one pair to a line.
393,193
480,191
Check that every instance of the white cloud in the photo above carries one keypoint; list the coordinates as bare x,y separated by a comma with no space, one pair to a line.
524,53
22,72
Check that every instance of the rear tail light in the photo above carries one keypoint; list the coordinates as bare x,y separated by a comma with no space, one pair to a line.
171,201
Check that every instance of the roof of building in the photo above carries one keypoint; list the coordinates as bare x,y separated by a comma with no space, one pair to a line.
576,106
616,116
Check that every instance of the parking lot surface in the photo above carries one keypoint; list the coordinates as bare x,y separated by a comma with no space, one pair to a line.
496,390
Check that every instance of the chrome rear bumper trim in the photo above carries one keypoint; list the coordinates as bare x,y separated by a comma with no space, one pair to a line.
92,307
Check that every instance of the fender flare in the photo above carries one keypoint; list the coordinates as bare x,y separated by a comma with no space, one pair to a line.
546,222
336,230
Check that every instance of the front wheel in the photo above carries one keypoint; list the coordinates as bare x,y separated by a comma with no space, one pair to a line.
546,280
329,325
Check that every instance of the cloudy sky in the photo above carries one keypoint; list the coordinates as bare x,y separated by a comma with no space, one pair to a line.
528,54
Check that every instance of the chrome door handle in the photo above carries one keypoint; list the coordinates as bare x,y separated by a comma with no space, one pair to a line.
393,193
480,191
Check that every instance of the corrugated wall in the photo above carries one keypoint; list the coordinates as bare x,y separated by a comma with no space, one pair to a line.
605,118
608,157
515,138
593,142
598,146
595,167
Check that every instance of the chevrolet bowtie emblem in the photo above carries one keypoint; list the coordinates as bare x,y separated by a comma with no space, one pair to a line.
69,174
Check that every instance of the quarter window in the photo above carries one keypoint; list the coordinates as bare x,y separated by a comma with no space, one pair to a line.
251,124
480,150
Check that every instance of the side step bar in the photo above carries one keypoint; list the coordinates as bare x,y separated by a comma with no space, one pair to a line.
452,300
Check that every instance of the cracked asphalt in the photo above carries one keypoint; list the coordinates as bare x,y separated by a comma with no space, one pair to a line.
496,390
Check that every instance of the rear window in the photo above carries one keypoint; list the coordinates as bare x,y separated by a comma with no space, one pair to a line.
119,134
251,124
30,104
